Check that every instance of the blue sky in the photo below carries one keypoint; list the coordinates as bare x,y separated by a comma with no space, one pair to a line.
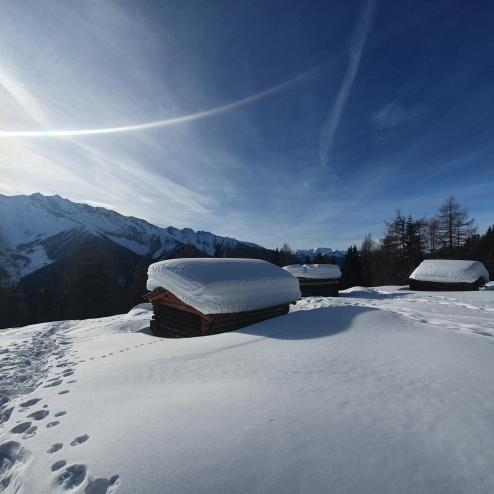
299,122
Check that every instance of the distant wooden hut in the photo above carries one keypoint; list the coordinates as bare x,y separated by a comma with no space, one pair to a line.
198,297
448,275
316,279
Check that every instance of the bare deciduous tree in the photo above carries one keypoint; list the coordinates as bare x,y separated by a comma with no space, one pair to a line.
455,226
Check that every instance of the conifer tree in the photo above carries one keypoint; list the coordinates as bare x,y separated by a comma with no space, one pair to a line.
286,255
352,271
367,260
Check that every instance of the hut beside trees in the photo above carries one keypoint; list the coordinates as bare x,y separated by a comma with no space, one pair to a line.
448,275
316,279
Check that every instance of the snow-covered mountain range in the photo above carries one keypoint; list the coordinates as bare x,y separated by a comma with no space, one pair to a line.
37,230
324,251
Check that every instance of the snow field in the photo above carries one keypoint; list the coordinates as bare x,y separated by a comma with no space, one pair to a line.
380,390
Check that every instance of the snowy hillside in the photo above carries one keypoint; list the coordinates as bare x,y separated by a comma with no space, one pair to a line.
378,391
34,230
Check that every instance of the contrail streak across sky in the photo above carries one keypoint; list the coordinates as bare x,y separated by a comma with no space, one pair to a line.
355,51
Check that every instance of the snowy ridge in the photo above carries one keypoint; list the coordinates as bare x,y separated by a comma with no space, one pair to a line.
378,391
224,286
29,223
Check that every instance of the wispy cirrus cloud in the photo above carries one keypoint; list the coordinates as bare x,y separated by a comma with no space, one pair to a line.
237,155
29,104
94,76
357,46
116,80
394,114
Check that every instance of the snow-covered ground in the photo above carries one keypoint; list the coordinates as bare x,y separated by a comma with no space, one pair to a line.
378,391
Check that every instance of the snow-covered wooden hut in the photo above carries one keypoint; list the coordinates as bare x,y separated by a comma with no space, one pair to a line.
448,275
316,279
197,297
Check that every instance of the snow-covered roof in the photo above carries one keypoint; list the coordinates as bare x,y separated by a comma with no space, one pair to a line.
220,286
449,271
315,271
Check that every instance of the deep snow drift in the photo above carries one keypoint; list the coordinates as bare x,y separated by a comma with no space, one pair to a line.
377,391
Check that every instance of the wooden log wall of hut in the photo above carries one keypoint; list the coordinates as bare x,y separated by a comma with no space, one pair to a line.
319,287
435,286
173,318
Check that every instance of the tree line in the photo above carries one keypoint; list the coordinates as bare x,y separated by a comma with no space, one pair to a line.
407,241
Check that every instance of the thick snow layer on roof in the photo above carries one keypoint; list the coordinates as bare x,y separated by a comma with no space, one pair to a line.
449,271
316,271
220,286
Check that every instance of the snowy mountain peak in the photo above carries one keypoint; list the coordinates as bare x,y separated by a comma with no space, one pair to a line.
31,225
325,251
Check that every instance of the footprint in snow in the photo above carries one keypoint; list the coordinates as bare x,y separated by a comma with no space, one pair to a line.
39,414
11,455
21,428
31,432
5,414
58,465
64,392
79,440
54,448
102,486
52,424
57,382
73,476
60,414
30,403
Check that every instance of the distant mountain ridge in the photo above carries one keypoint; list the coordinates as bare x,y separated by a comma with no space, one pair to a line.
64,260
323,251
37,230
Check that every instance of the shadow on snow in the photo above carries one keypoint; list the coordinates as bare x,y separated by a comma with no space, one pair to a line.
308,324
